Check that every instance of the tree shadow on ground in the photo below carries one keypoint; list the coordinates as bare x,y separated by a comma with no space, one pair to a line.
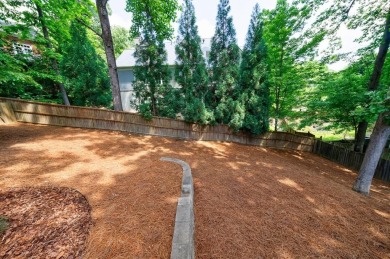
249,201
133,203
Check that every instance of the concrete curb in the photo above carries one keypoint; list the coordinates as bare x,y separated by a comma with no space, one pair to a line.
183,242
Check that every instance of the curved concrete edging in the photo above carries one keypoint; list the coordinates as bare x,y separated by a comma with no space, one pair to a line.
183,242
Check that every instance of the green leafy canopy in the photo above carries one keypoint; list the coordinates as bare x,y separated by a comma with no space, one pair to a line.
159,13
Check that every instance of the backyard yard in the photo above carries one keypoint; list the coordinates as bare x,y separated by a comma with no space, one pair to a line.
250,202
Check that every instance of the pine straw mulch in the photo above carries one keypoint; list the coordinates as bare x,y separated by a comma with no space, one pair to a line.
250,202
45,222
259,203
133,195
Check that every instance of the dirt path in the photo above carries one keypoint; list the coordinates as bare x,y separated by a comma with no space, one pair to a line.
249,202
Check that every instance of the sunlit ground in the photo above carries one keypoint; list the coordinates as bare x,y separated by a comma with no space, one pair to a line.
250,202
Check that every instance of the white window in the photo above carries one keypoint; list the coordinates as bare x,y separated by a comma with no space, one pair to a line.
21,48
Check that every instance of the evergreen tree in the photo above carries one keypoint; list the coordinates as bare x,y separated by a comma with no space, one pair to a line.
154,94
224,63
86,77
254,87
191,71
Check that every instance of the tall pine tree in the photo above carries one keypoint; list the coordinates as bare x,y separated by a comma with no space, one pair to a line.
254,86
224,63
154,94
191,70
86,78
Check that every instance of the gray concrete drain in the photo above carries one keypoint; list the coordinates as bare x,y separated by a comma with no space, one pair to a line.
183,242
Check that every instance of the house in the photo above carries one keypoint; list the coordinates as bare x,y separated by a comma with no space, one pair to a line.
126,62
19,45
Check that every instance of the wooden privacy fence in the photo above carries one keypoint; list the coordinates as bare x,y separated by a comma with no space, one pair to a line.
350,159
93,118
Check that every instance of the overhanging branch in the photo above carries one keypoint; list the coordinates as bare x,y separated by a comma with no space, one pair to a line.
89,27
347,10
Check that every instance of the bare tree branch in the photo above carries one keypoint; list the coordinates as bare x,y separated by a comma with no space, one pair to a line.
347,10
89,27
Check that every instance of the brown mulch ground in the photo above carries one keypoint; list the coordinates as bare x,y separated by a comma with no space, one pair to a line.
132,194
45,222
250,202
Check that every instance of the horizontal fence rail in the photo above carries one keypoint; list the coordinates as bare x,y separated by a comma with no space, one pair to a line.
350,159
94,118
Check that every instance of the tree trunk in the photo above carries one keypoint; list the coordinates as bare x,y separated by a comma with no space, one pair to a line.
109,49
277,107
380,58
61,85
45,32
374,151
360,136
374,82
276,124
154,108
381,130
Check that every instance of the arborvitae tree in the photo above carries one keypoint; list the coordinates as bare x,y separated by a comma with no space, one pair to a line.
154,94
254,87
224,64
191,71
151,21
86,78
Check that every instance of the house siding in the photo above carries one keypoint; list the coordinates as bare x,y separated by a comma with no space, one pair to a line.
126,78
126,63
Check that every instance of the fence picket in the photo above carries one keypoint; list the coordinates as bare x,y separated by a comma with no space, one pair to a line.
83,117
350,159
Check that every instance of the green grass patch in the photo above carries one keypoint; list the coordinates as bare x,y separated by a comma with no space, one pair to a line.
3,224
332,137
329,135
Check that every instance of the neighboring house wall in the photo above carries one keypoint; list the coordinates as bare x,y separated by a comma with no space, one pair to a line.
20,46
17,45
126,63
126,78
